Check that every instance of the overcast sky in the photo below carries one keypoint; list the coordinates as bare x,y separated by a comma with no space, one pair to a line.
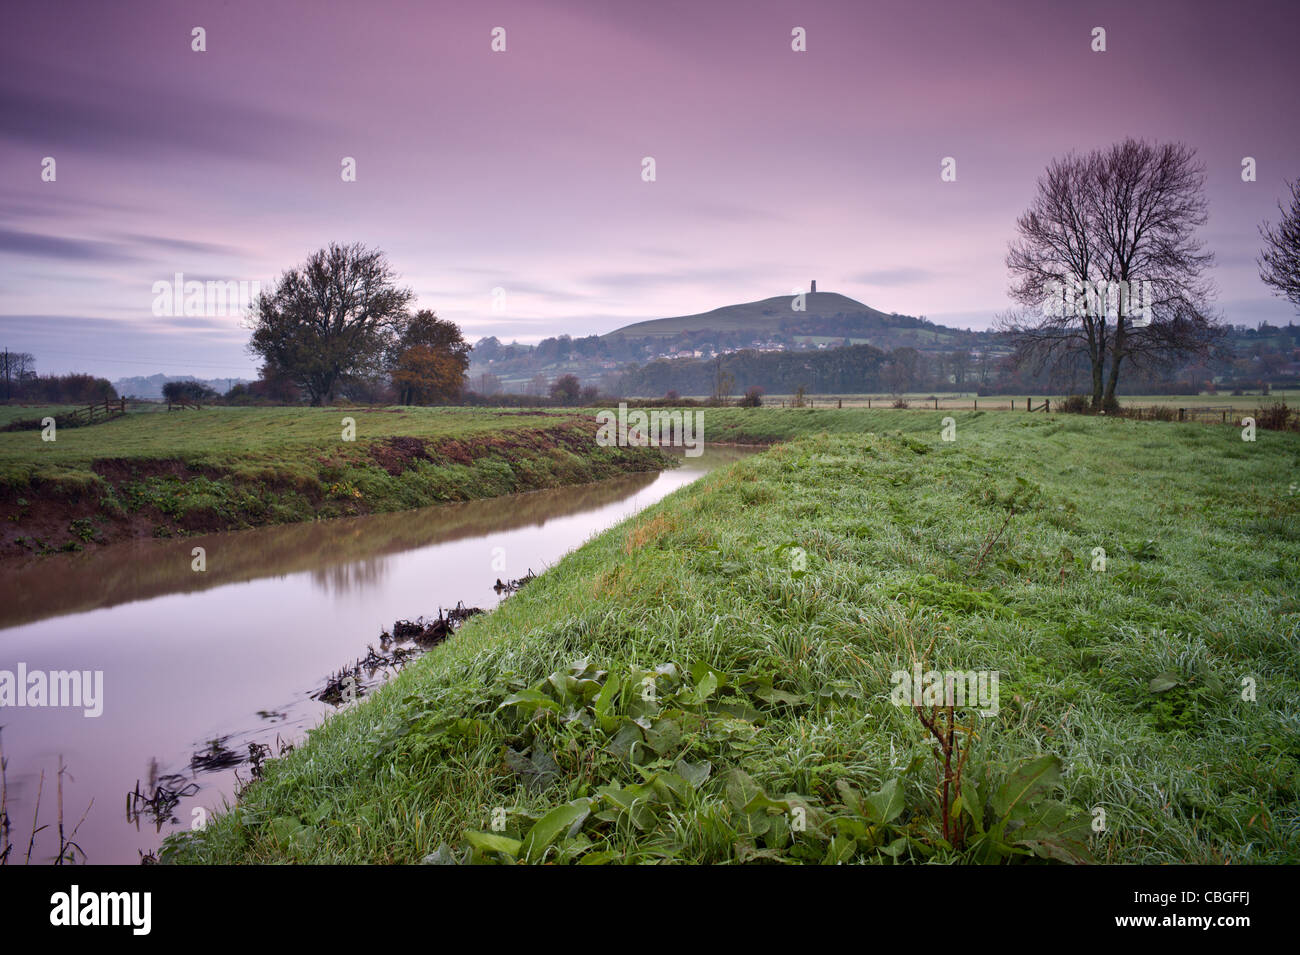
523,170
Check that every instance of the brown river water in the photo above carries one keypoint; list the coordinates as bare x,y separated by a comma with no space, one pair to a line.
234,652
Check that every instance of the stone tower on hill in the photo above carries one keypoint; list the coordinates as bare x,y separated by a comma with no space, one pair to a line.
814,287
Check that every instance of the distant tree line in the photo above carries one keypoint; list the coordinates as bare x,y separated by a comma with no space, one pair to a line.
20,382
858,368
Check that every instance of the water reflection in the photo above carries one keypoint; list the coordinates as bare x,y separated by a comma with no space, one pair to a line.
236,652
341,555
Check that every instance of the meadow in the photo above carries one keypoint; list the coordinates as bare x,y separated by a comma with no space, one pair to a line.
711,681
970,401
166,474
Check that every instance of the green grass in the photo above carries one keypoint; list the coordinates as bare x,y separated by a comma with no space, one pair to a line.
168,474
1120,690
965,402
11,413
216,433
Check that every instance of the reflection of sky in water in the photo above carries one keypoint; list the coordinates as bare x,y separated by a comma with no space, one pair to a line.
189,658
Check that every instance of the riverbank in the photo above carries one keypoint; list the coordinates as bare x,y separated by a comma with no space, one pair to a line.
711,681
194,472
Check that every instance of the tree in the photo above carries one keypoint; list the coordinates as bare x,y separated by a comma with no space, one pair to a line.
1279,264
333,317
18,367
424,375
537,385
187,392
1106,264
959,365
900,374
428,360
274,385
566,389
723,382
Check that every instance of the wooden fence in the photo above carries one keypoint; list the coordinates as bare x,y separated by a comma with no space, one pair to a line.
101,411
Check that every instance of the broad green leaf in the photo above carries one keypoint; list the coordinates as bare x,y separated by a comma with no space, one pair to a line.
623,741
841,849
1164,681
886,805
849,796
693,773
529,700
1027,780
670,784
702,690
492,842
740,787
604,705
562,819
664,736
895,848
701,669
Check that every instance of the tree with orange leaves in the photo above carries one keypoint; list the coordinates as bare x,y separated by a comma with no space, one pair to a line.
429,360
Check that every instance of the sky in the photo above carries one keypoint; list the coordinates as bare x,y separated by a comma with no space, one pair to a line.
522,170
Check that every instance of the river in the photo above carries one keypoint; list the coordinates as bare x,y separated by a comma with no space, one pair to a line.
234,652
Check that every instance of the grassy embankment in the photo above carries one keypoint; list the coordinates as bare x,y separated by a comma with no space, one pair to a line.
770,732
164,475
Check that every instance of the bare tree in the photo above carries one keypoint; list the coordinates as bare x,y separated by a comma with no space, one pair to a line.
537,385
1107,264
1279,264
19,366
723,382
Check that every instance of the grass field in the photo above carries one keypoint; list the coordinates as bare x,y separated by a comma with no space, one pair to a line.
168,474
711,680
972,402
216,431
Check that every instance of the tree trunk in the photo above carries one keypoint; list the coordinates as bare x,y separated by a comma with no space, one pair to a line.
1098,356
1117,355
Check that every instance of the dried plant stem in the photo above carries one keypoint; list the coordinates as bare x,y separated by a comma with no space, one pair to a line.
990,541
40,788
5,845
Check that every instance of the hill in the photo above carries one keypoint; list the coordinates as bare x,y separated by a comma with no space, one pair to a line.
772,315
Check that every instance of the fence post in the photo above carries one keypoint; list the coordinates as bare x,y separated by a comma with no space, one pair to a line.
977,405
1225,417
868,402
1047,405
936,404
1182,414
839,402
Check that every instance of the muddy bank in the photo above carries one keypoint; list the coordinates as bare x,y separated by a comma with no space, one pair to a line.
119,499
